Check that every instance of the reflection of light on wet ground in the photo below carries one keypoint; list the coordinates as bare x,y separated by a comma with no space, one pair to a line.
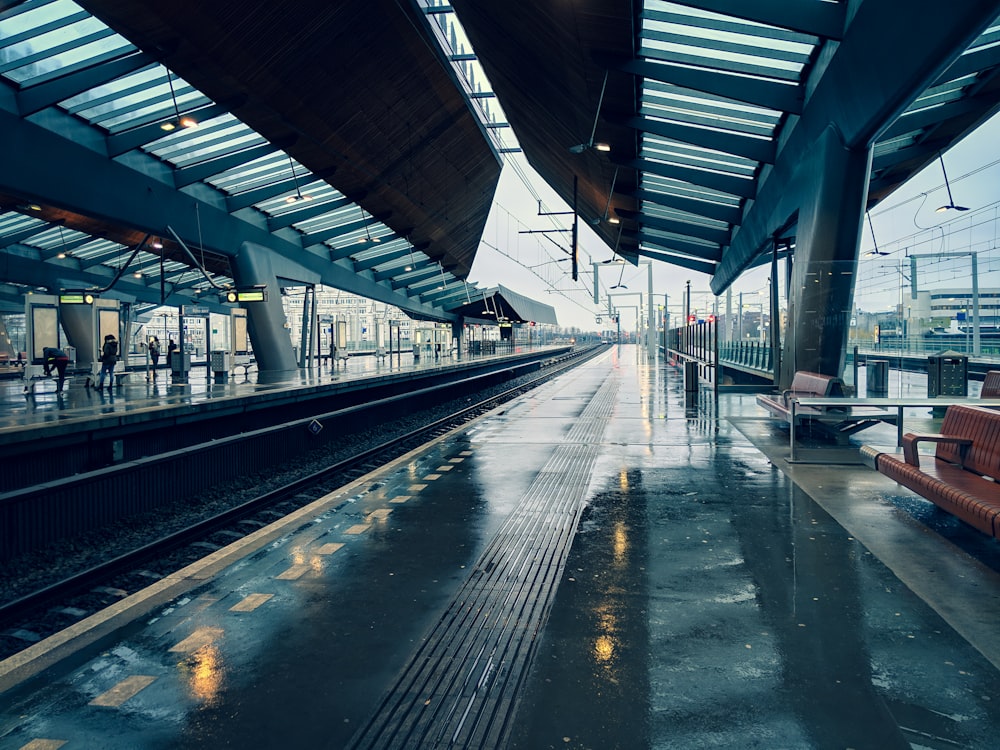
206,673
606,644
623,480
620,542
604,648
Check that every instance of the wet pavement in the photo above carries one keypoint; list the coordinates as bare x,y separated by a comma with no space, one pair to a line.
714,596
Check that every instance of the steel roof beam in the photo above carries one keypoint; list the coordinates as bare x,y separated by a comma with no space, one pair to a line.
677,260
197,172
757,149
413,278
680,247
129,140
35,167
304,211
381,260
783,97
710,234
871,79
250,197
708,209
725,183
395,271
825,20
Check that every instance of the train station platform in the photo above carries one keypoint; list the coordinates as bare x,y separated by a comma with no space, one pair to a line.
47,435
596,565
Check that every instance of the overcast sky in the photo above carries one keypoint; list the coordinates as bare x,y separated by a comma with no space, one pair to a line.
904,224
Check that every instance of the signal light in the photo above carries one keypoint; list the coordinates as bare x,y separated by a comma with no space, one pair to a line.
692,318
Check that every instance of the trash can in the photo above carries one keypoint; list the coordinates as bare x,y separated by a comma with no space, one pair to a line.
947,375
877,382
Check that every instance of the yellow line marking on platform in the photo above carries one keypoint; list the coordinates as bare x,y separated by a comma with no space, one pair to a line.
200,637
296,571
445,468
417,487
250,602
432,477
40,744
456,460
359,528
400,499
124,690
467,453
381,514
329,549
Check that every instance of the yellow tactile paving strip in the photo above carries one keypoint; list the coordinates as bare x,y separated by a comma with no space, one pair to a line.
123,691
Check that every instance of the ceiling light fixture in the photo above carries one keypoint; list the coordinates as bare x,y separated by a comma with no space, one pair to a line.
182,121
581,147
409,266
871,228
298,192
62,241
620,285
368,236
951,202
607,207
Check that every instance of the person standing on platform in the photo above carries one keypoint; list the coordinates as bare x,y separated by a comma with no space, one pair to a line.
56,359
154,353
109,358
171,348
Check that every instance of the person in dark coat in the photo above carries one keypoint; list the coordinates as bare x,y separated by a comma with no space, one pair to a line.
154,351
56,359
109,358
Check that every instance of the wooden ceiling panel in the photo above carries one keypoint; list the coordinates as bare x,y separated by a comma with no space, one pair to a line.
544,61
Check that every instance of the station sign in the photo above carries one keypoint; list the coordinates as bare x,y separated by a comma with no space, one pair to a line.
251,294
72,297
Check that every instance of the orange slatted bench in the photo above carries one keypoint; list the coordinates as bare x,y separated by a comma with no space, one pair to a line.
804,385
961,477
991,385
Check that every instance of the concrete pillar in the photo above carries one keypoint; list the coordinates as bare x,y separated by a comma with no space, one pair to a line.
833,184
272,345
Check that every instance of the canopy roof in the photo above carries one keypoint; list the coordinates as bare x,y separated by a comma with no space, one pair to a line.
335,134
501,305
354,139
709,106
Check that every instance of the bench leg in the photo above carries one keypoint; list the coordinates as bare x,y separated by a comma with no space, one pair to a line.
791,433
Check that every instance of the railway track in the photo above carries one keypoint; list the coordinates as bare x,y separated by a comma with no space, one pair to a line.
58,605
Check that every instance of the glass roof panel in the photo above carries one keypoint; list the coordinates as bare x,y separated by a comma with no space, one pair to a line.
662,149
673,214
63,39
13,223
211,139
260,171
669,186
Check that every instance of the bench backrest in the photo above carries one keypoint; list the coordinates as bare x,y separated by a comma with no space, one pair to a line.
982,427
991,385
816,383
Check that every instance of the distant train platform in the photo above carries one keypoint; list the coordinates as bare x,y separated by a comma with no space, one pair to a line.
599,564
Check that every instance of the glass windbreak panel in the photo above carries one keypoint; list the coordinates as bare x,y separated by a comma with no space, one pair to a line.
44,331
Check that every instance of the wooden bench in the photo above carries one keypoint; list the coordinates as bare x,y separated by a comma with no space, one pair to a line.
838,422
961,477
991,385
